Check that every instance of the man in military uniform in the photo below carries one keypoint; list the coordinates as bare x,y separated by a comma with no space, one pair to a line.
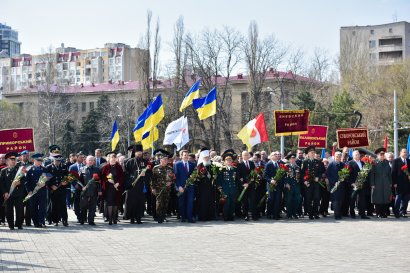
135,195
275,197
90,191
312,169
162,180
24,161
57,191
14,200
38,203
291,187
226,181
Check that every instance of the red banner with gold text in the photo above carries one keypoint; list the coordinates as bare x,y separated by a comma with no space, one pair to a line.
316,136
16,140
291,122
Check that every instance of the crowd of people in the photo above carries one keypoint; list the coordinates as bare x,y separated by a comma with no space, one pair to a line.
36,190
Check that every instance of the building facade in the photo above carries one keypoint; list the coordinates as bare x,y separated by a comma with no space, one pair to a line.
115,62
9,42
385,44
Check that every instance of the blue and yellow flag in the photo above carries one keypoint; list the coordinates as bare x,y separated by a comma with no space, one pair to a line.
115,136
149,138
193,93
149,119
206,106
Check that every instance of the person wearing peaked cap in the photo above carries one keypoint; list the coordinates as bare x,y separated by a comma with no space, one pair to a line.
310,149
312,171
24,159
380,150
290,155
135,194
381,182
57,206
291,187
13,198
161,185
38,203
226,182
206,190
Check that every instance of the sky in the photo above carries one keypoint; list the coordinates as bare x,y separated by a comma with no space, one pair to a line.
85,24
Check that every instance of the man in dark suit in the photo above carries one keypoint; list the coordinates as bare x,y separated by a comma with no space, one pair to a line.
401,183
275,197
76,167
183,169
332,174
356,165
249,198
99,160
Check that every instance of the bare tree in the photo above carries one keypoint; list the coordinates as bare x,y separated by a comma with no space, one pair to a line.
260,55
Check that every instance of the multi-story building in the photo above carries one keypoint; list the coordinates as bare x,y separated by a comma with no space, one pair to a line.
385,44
115,62
9,42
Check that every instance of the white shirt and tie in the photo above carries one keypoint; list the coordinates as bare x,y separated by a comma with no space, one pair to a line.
359,163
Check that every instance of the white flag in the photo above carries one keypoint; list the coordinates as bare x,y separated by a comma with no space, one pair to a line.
177,133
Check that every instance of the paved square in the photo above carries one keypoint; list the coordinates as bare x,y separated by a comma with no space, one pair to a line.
377,245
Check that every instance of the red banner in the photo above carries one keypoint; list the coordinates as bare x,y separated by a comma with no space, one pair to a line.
16,140
352,137
291,122
316,136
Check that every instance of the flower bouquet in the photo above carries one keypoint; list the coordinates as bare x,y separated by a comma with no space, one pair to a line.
110,177
19,175
309,177
361,177
40,184
196,174
149,167
405,169
254,176
343,175
280,173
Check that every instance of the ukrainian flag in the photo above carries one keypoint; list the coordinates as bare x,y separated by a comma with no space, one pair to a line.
149,119
193,93
149,138
206,106
139,126
115,136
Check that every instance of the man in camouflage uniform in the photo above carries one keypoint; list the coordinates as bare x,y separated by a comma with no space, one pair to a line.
162,180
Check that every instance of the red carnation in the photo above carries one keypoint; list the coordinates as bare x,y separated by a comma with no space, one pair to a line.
306,177
404,167
365,160
75,174
348,167
96,177
149,166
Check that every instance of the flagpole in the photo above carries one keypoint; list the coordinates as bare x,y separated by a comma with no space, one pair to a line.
395,122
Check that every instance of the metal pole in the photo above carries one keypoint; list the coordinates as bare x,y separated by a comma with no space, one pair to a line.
282,138
395,123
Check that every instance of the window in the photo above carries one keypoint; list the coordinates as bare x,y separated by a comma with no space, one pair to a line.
91,105
83,107
372,43
390,30
354,33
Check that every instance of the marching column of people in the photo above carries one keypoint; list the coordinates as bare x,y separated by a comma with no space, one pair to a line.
201,187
